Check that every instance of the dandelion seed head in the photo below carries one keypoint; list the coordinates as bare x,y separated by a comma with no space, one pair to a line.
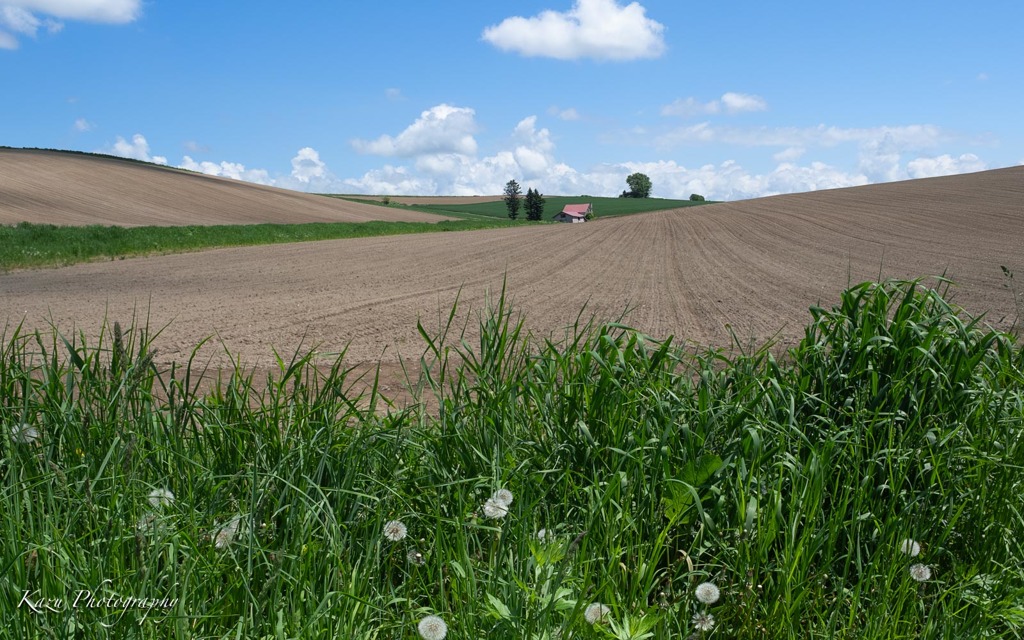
226,533
24,433
545,536
415,557
596,612
394,530
495,509
920,572
160,498
146,522
502,496
910,547
707,593
703,622
432,628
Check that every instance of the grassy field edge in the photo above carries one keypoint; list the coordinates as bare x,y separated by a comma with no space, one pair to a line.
26,245
607,485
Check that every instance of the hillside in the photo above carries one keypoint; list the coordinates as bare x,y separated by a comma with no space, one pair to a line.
62,188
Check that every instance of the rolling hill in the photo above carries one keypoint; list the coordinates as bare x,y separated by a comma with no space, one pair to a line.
65,188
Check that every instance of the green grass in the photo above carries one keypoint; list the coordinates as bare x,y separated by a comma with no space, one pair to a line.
44,245
603,207
790,483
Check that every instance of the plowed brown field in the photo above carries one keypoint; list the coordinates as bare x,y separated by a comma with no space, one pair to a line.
755,266
54,187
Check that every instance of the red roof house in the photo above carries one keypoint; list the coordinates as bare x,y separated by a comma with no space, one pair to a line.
575,213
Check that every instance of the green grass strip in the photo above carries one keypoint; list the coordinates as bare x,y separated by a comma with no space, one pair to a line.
45,245
603,207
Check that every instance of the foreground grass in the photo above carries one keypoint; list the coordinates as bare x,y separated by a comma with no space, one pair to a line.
45,245
603,207
794,486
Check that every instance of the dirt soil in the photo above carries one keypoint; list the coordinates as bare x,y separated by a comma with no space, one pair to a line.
753,266
53,187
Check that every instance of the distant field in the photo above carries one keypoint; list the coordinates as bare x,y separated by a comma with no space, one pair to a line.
603,207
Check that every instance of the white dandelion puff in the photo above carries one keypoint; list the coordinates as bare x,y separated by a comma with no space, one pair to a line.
160,498
704,622
910,547
24,433
495,509
146,523
415,557
432,628
225,534
394,530
596,612
502,496
545,536
920,572
707,593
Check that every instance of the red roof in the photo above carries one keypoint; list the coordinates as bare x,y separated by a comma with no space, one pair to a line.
576,208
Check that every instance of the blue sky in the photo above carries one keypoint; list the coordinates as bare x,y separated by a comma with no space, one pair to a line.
728,99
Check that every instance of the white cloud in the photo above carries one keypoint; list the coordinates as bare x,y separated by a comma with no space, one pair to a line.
880,158
742,102
564,114
19,16
725,181
701,132
688,107
394,95
18,20
909,136
599,29
84,125
789,155
307,166
730,102
137,149
945,165
440,129
390,180
309,172
194,147
227,170
529,156
112,11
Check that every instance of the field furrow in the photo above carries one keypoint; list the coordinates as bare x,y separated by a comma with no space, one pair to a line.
754,266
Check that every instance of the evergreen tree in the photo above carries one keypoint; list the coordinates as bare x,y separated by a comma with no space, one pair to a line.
512,199
534,205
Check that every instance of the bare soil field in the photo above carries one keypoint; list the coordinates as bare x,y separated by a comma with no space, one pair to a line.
432,199
52,187
753,266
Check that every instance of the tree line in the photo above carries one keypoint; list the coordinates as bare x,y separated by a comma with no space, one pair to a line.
532,204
